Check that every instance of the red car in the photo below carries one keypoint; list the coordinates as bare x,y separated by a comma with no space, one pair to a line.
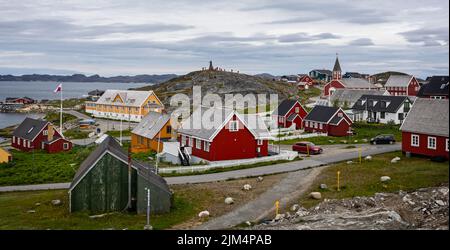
305,146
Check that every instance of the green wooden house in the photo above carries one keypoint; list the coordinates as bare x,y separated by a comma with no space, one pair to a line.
101,183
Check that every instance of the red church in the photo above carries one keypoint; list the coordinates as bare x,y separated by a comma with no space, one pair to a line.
338,82
289,112
425,129
234,136
34,134
330,120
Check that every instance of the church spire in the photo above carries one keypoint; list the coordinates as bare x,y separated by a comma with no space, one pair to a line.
337,69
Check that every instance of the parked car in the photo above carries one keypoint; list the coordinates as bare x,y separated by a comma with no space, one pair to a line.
383,139
305,146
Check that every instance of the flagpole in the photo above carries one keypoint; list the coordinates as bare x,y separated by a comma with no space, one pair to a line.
60,114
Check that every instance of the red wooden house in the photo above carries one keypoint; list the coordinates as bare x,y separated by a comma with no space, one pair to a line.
425,129
304,81
330,120
34,134
402,85
289,112
21,100
234,136
338,82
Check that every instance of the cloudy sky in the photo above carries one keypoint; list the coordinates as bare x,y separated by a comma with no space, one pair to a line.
277,37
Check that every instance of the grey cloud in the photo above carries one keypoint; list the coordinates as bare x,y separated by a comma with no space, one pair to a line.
301,37
427,36
362,42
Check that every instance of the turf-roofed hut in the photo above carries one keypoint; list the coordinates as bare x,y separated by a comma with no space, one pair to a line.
101,183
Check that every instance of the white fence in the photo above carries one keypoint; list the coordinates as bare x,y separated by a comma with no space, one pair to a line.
301,136
284,155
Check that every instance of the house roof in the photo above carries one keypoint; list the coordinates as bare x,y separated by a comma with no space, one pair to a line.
253,122
355,82
29,128
132,98
437,85
113,147
5,150
398,81
151,124
321,113
352,95
284,107
427,116
323,71
337,65
393,103
96,92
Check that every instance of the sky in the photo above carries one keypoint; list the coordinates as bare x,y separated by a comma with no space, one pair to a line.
253,36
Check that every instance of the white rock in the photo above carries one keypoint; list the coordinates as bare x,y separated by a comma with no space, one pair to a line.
364,140
368,158
315,195
440,202
279,217
323,186
355,141
56,202
37,204
385,178
229,200
203,214
295,207
304,227
349,162
247,187
248,223
302,213
31,211
259,179
395,159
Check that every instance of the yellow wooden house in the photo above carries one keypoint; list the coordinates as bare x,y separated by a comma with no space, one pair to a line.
5,156
151,132
128,105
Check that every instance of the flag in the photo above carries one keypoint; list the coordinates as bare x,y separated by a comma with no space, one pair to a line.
59,88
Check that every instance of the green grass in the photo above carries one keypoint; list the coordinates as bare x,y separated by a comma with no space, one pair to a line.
41,167
308,93
54,116
116,133
14,215
67,103
364,179
363,131
219,170
76,133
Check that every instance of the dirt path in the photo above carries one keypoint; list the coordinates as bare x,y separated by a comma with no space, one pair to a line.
294,184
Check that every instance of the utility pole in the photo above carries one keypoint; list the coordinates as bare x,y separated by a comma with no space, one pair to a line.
148,226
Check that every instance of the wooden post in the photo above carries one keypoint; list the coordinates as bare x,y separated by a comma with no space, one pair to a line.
277,207
338,177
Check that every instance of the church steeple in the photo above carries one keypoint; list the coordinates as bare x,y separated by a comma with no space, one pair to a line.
337,69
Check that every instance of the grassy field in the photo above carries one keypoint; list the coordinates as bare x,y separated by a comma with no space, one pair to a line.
67,103
189,200
308,93
364,179
363,131
53,117
41,167
116,133
76,133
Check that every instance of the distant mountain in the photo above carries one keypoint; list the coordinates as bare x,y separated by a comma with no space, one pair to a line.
221,83
267,76
92,78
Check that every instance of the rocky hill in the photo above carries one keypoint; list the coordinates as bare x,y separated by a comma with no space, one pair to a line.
221,82
92,78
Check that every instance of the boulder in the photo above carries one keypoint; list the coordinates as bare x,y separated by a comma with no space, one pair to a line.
279,217
248,223
295,207
259,179
440,202
349,162
323,186
247,187
56,202
203,214
385,178
315,195
368,158
229,200
395,159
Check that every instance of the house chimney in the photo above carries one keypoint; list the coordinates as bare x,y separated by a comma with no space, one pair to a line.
50,132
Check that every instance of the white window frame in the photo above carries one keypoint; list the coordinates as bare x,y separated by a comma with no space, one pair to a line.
315,124
430,139
18,141
206,146
446,144
297,110
45,132
320,126
259,142
413,144
191,142
65,145
233,126
198,144
183,140
14,139
28,144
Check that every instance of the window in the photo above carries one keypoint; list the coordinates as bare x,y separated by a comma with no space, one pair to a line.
320,126
431,142
340,114
400,116
45,132
382,115
234,126
18,141
446,145
297,110
198,144
259,142
14,139
258,149
315,125
169,129
66,146
281,119
191,141
415,140
206,146
29,144
183,140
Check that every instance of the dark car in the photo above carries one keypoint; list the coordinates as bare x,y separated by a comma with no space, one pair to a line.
383,139
304,147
